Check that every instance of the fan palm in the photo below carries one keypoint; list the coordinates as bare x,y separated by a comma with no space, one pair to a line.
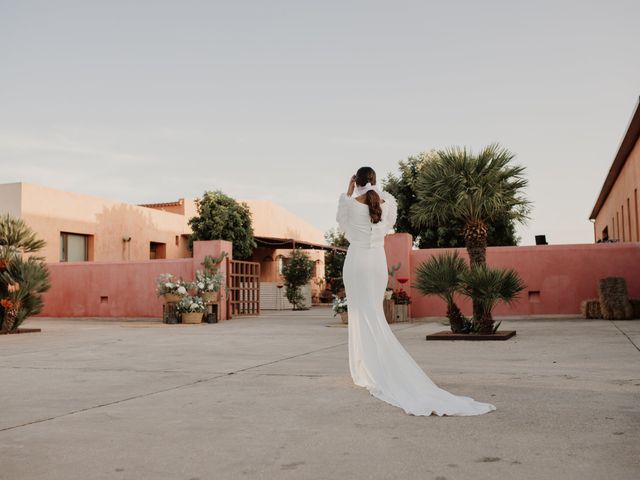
487,286
22,280
441,276
473,190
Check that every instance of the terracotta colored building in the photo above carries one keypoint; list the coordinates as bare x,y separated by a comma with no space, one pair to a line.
79,228
616,212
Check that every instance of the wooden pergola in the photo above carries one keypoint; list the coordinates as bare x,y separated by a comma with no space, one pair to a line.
290,243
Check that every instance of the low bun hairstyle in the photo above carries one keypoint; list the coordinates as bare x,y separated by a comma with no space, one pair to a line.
372,199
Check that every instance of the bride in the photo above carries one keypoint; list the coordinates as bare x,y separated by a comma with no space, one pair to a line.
377,360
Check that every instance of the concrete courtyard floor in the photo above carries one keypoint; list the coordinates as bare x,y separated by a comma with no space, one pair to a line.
271,398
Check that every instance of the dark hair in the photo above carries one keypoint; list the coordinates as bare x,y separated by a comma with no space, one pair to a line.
372,199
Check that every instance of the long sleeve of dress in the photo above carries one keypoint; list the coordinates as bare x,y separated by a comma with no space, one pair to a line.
392,211
342,215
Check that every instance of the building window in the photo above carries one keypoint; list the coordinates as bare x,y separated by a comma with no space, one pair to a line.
624,239
629,219
635,197
157,250
74,247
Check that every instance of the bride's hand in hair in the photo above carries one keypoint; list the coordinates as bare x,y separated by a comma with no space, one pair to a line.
352,185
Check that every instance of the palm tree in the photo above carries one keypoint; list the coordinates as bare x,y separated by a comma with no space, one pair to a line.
22,279
441,275
487,286
474,190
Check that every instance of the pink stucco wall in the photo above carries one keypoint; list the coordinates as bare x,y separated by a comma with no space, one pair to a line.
121,289
563,275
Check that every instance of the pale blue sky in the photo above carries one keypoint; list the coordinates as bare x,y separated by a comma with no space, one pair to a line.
145,101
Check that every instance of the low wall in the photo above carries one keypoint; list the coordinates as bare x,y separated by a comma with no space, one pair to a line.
121,289
558,277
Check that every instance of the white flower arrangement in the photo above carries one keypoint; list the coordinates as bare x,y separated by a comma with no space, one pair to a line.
388,294
190,304
339,305
208,282
166,283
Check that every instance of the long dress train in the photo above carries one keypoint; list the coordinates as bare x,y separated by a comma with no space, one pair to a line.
377,360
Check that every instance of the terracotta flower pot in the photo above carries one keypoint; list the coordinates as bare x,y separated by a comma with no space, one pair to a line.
171,297
345,317
192,317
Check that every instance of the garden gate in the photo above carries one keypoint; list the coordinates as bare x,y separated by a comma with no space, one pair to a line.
243,288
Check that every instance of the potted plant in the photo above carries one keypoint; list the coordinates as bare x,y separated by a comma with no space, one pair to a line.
191,309
402,301
208,285
170,288
340,307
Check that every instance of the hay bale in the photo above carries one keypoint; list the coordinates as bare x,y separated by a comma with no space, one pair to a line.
591,308
614,299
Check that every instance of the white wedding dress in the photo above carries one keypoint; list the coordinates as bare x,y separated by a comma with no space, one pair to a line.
377,360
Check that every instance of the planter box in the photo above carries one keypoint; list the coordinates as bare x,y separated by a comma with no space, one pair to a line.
389,310
344,316
195,317
449,335
171,297
211,297
401,313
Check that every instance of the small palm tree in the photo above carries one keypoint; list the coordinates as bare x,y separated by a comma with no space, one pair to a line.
487,286
441,275
474,190
22,279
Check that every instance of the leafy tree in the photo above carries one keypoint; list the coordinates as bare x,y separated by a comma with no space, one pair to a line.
220,217
297,272
334,259
23,277
500,232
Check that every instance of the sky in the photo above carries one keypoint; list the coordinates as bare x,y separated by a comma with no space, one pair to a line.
151,101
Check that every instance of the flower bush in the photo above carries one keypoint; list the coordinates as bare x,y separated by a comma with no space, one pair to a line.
208,282
401,297
339,305
166,283
191,304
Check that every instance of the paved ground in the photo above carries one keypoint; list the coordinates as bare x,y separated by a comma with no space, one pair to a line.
271,398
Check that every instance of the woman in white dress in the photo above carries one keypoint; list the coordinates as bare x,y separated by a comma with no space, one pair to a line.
377,360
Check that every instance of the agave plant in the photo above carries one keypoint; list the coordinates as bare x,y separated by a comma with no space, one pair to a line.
22,279
487,286
441,275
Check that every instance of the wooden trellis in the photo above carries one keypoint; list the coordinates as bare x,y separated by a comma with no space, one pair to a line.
243,288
